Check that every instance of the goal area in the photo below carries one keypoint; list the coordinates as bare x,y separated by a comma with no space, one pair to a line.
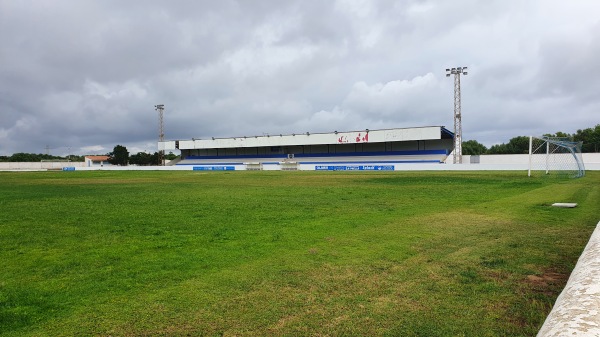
555,157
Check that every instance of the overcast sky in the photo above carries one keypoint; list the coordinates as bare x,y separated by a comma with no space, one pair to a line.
82,76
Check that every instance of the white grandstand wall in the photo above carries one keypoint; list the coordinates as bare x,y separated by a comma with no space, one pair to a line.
350,137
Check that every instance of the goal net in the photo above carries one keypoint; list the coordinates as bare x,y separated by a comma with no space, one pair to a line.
558,157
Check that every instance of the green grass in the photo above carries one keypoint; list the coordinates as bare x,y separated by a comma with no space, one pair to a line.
287,253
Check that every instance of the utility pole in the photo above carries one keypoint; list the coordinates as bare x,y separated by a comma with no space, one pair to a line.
161,132
457,115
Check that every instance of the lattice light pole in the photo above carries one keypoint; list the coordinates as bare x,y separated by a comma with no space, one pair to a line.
457,114
161,132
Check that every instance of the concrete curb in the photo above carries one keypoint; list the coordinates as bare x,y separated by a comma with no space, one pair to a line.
577,308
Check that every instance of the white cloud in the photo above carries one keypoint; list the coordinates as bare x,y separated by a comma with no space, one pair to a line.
95,149
392,97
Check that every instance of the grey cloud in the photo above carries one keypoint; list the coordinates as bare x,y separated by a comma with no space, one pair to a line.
87,74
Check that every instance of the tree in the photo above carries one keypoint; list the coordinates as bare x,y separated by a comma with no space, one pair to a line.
516,145
519,145
590,138
76,158
559,134
473,147
138,159
144,159
171,156
32,157
24,157
498,149
119,156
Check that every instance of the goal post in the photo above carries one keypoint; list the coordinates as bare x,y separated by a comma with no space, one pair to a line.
554,156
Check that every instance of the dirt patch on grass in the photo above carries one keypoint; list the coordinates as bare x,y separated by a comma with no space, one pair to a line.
548,283
547,279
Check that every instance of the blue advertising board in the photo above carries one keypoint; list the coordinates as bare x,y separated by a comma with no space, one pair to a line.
68,168
354,167
213,168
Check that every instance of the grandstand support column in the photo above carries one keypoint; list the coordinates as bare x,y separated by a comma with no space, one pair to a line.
457,114
161,132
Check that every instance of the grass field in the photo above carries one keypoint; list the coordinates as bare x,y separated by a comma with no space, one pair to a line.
287,253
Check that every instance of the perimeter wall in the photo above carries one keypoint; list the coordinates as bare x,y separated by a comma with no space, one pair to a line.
498,162
590,160
46,165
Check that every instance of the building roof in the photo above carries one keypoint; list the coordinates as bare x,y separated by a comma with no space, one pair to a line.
97,158
346,137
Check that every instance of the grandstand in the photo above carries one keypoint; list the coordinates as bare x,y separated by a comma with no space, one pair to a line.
384,149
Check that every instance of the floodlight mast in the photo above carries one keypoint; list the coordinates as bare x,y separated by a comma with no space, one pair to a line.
161,132
457,114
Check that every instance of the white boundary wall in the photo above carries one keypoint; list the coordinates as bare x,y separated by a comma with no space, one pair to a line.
488,163
577,308
590,160
45,165
500,162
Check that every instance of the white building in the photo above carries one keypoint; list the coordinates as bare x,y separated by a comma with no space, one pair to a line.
385,149
96,161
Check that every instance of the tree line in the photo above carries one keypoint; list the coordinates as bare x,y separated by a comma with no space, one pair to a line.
520,144
119,156
37,157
